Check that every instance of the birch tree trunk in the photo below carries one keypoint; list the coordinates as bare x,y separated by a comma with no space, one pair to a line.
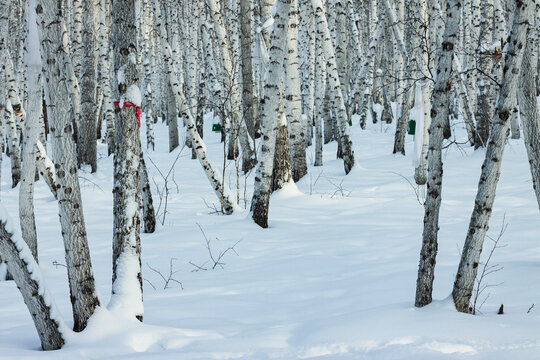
104,63
30,136
127,277
506,102
86,144
485,107
220,188
528,109
248,156
335,86
79,266
247,66
27,275
420,172
439,113
297,132
270,113
46,168
149,216
14,111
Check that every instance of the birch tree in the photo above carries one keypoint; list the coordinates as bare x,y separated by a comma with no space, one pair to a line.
30,136
506,102
270,111
27,275
86,144
528,108
335,86
127,278
439,113
56,64
292,95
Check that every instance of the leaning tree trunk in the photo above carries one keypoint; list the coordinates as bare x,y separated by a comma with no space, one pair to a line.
334,83
528,110
30,136
27,275
127,278
491,169
439,113
56,67
270,112
220,188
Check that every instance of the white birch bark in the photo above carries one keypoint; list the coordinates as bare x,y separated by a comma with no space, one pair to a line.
439,112
54,56
15,114
335,87
221,189
127,289
420,171
105,71
506,102
528,108
30,136
293,111
248,95
270,111
86,144
46,168
149,216
484,107
320,94
27,275
248,156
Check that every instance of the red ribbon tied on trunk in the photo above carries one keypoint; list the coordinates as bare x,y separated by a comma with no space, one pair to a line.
130,104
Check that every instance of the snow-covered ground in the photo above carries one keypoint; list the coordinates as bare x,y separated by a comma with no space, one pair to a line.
332,278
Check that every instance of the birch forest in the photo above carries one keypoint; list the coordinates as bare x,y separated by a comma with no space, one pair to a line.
247,179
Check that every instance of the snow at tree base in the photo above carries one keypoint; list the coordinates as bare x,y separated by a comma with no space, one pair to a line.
270,179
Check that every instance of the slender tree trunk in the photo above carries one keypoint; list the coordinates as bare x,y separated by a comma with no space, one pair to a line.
56,68
27,275
439,113
86,144
220,188
293,104
485,107
506,103
30,136
335,86
149,216
270,113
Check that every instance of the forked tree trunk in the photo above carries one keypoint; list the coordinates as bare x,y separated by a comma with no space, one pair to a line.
56,67
439,113
491,168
